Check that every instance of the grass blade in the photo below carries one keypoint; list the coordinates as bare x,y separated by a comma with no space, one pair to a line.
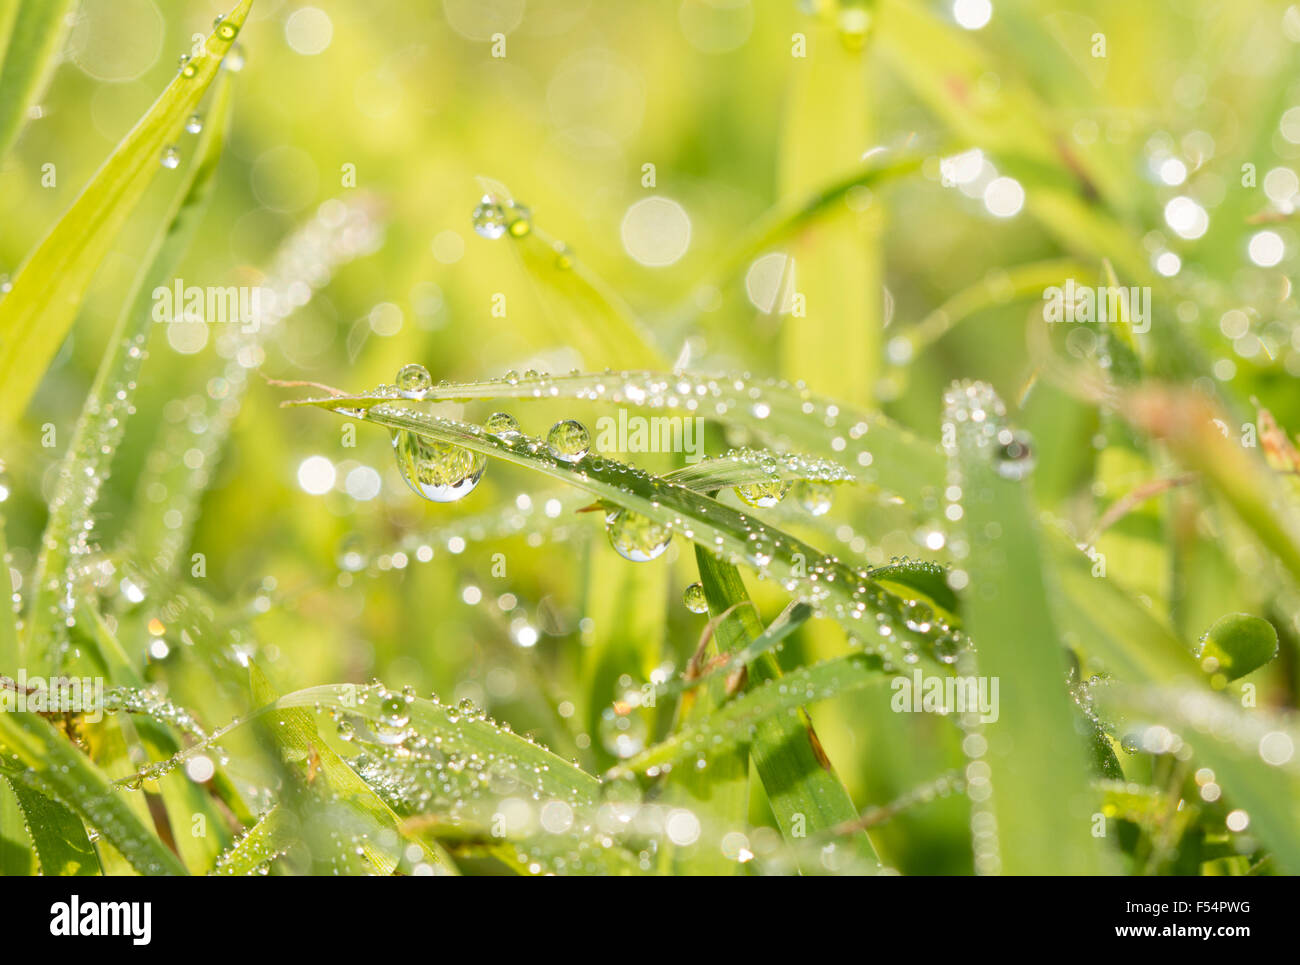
1041,799
31,36
47,293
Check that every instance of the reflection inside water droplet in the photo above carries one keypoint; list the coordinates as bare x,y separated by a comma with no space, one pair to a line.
635,537
568,440
764,495
439,472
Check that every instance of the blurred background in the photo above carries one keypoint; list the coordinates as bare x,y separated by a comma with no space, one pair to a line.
649,137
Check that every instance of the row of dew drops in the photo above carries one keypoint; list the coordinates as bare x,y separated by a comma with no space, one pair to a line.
233,62
443,472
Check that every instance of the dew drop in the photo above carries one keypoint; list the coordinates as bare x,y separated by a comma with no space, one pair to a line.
1014,458
414,378
195,124
635,537
502,425
763,495
489,219
171,158
694,599
438,471
568,440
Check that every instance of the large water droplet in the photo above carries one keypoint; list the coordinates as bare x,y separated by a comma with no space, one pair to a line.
171,158
195,124
763,495
568,440
814,497
438,471
1014,457
414,378
635,537
694,599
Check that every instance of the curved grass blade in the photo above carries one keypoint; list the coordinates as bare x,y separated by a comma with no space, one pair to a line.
31,36
1037,776
47,293
876,450
1018,282
836,590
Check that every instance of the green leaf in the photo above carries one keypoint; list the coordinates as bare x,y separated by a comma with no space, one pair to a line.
57,834
1252,754
47,293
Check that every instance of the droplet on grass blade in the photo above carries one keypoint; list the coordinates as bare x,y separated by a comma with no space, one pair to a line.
568,440
635,537
437,471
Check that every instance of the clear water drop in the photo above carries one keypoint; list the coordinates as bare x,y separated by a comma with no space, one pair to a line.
568,440
502,425
195,124
1014,457
437,471
489,219
635,537
171,158
693,597
763,495
414,378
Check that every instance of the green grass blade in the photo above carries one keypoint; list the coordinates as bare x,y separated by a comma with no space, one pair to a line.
1040,797
31,38
803,790
43,758
734,723
88,462
47,293
293,729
